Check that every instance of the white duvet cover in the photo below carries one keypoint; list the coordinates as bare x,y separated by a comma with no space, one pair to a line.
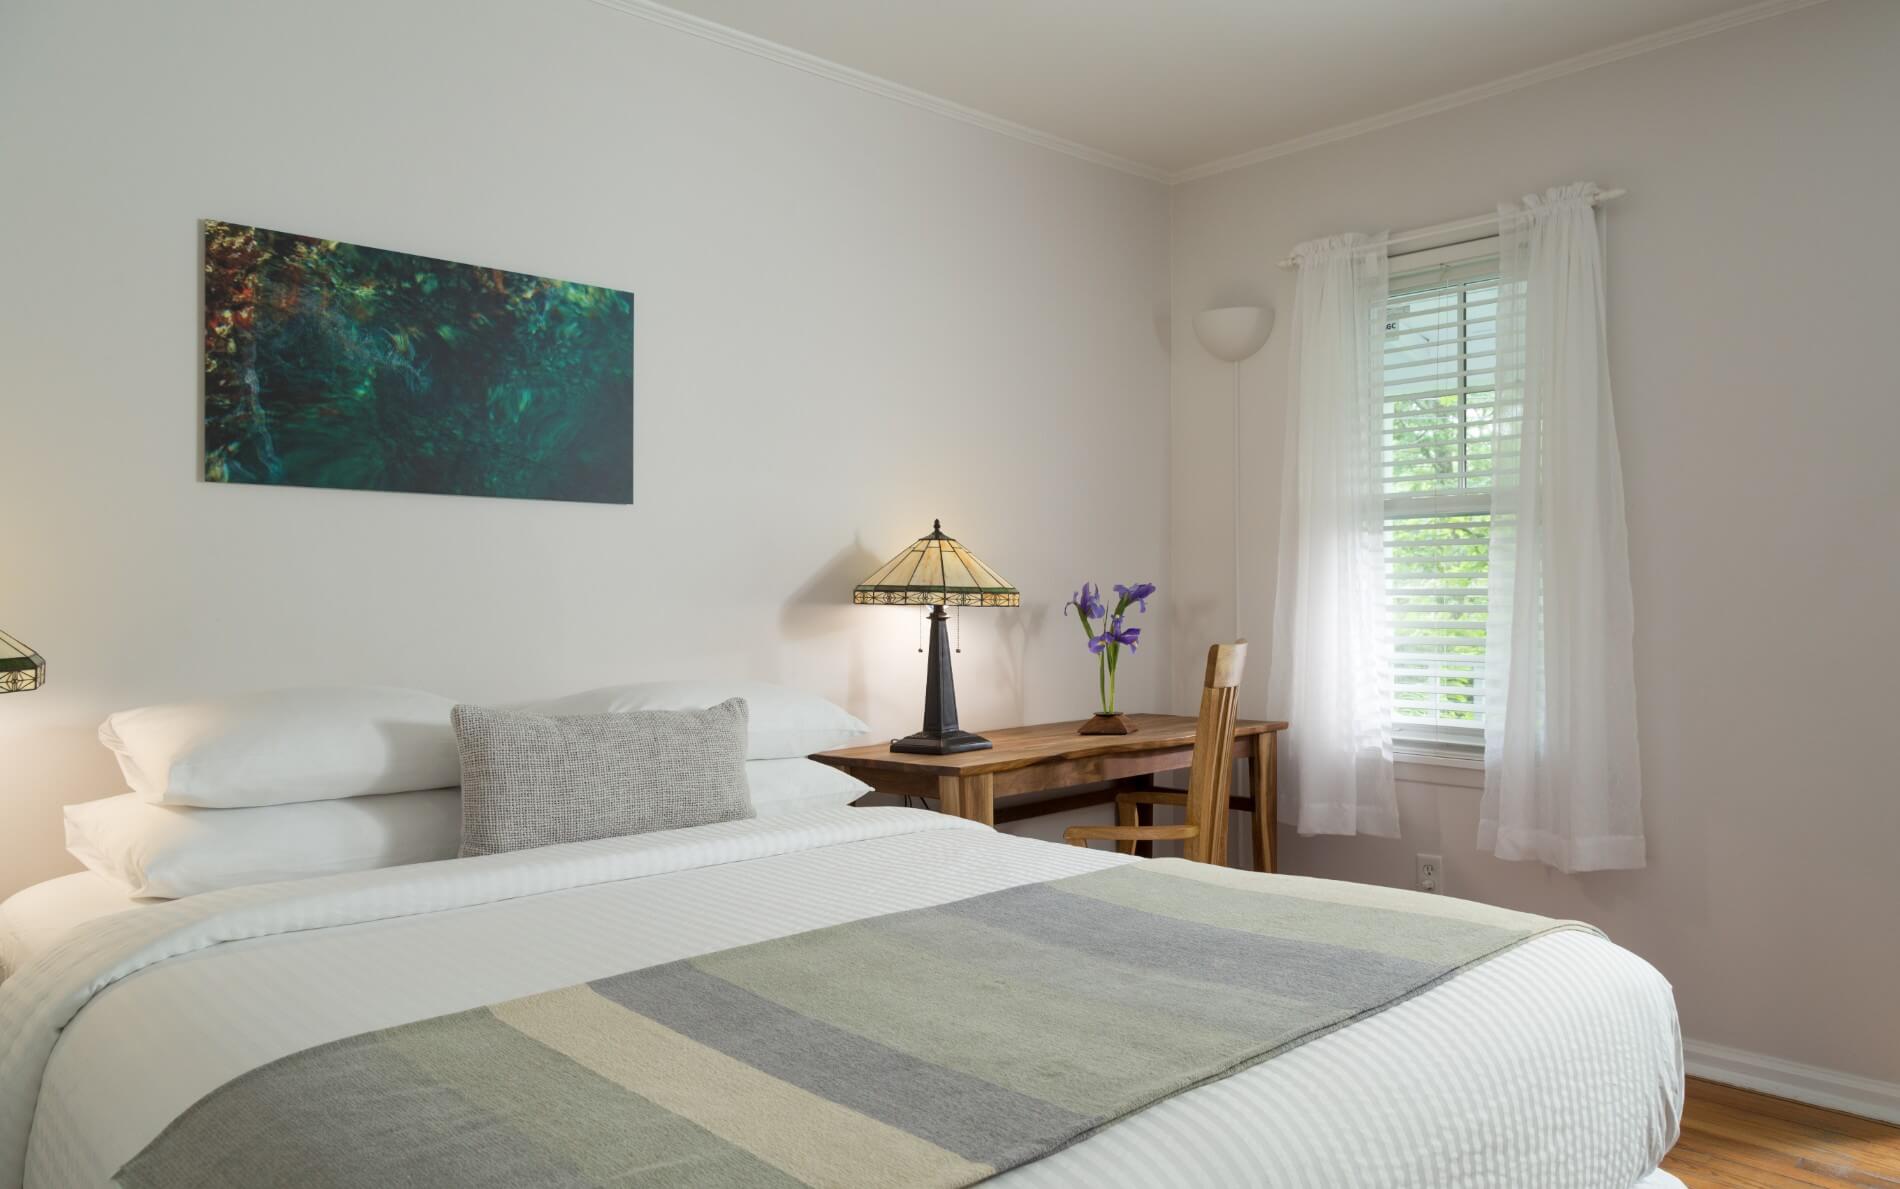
33,919
1556,1064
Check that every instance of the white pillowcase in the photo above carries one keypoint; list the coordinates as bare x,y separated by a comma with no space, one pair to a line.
783,722
780,787
288,745
172,851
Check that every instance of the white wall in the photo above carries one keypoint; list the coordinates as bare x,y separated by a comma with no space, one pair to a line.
852,316
1753,309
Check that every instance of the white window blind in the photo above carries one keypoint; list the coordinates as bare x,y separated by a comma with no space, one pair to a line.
1436,443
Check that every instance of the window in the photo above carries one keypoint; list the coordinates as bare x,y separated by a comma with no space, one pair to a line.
1436,441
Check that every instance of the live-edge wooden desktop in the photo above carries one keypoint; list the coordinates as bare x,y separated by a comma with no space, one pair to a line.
1051,756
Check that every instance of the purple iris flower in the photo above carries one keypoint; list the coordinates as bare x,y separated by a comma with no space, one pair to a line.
1088,601
1137,593
1115,634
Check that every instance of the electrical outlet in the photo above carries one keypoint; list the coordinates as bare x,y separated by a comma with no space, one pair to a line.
1431,873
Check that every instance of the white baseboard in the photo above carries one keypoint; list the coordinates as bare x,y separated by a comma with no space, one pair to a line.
1790,1079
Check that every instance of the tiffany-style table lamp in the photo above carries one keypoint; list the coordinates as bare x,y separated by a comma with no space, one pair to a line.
937,572
21,668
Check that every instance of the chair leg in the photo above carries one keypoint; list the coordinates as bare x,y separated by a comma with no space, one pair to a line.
1125,816
1217,831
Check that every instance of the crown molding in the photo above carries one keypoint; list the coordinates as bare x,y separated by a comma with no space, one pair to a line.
724,35
1504,86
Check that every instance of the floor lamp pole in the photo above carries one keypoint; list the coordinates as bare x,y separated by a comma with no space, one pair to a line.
1236,436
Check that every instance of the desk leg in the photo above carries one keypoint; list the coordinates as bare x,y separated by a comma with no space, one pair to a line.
950,795
1264,769
979,799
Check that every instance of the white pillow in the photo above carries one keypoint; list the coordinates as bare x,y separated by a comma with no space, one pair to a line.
287,745
788,786
783,722
171,851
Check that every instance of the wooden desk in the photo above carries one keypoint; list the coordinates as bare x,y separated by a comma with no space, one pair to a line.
1048,756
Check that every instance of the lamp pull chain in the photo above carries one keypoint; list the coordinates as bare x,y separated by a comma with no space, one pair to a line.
921,616
959,627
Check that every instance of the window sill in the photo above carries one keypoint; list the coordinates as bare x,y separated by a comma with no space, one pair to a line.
1428,763
1431,753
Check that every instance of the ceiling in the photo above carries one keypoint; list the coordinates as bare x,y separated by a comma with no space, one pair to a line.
1173,86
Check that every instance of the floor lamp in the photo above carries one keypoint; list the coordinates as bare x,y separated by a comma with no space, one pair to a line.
1231,334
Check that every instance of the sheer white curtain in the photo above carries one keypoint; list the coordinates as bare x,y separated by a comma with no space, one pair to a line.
1561,780
1331,640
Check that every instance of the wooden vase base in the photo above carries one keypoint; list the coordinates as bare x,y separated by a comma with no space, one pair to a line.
1107,724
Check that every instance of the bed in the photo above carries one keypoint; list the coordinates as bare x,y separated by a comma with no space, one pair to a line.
34,918
1556,1063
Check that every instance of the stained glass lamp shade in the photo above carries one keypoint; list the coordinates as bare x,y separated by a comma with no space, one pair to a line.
936,572
21,668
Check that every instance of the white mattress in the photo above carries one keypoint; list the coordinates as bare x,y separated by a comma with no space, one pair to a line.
1556,1064
32,919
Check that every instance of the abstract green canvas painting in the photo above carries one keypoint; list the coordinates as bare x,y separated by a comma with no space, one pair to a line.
329,364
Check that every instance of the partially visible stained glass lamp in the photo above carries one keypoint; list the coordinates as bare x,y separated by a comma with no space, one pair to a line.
21,668
938,572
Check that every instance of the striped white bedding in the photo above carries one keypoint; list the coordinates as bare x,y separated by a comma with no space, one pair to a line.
34,918
1556,1064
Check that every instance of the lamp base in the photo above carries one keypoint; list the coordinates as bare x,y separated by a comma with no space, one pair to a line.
941,736
939,743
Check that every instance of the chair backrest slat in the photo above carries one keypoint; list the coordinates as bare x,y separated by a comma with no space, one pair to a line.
1214,750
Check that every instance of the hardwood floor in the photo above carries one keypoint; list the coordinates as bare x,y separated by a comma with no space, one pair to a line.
1736,1139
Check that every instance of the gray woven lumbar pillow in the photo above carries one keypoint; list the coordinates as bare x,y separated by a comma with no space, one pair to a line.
531,780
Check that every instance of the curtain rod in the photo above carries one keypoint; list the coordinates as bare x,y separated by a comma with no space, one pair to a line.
1457,225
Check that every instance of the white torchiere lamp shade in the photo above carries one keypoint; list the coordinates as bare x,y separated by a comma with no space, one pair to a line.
1232,333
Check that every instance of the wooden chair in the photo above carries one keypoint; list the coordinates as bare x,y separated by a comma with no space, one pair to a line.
1204,834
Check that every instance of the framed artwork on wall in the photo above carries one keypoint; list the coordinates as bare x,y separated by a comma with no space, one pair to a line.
329,364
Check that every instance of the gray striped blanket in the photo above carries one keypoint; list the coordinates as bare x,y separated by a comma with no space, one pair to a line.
935,1047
